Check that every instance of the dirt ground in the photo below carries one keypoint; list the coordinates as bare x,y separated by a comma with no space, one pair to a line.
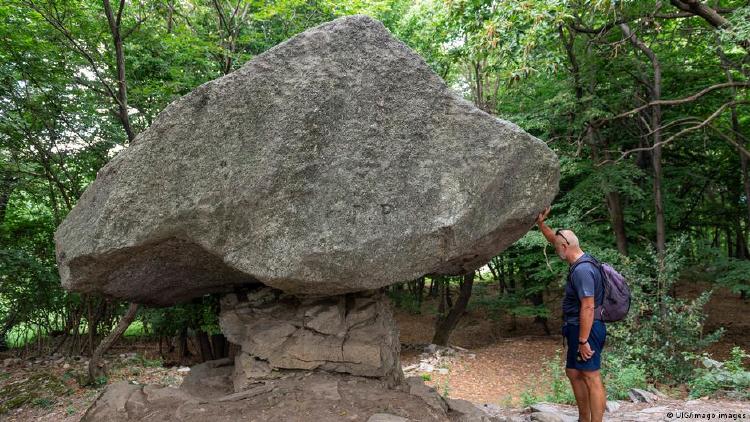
509,362
476,329
501,363
51,391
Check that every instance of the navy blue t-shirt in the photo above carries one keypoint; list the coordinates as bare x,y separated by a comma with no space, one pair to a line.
586,280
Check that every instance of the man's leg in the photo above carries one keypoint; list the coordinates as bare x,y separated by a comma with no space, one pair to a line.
597,397
580,390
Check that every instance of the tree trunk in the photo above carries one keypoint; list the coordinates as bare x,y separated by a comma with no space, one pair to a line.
434,287
614,205
183,352
8,323
501,273
204,345
613,200
741,251
612,197
537,299
220,345
655,95
122,90
736,135
512,291
96,369
447,291
715,240
728,233
92,325
491,267
170,16
441,295
7,185
420,291
746,183
446,322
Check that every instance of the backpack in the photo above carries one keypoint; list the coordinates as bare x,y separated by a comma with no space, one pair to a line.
616,301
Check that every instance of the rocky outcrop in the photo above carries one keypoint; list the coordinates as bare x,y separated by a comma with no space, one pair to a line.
335,162
353,333
295,396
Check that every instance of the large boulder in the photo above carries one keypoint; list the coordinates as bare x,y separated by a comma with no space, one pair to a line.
335,162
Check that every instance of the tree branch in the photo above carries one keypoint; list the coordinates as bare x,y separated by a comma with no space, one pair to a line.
700,125
58,25
683,100
712,16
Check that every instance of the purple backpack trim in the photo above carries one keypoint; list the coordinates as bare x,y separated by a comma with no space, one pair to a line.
616,302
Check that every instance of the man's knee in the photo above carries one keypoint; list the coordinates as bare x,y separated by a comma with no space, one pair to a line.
591,378
573,374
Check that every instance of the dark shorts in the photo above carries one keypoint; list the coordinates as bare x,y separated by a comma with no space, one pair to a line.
597,338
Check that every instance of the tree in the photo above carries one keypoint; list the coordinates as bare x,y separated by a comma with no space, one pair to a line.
96,369
449,313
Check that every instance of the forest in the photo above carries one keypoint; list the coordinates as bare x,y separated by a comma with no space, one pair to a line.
644,102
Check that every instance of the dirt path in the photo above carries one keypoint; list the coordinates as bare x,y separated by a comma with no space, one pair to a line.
510,362
498,373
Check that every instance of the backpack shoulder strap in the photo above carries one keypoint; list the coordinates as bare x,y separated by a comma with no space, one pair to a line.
598,266
585,259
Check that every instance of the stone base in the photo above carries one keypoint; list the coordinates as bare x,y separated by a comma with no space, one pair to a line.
293,396
302,359
353,333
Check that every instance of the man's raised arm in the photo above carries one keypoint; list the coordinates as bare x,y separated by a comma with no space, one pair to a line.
548,233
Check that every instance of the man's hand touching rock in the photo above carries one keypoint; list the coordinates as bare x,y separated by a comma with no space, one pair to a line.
543,215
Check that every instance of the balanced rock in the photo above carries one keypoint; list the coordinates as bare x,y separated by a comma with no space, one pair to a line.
335,162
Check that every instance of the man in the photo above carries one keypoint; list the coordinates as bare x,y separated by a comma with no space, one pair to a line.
584,333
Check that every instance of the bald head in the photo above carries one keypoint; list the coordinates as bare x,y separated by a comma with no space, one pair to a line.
567,237
567,246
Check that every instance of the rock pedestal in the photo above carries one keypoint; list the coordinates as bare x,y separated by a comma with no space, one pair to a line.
353,333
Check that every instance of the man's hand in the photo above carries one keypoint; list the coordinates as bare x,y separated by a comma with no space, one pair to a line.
546,231
585,351
542,215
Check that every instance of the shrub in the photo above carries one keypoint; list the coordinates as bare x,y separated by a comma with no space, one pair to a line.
660,328
403,299
729,378
560,390
620,376
555,382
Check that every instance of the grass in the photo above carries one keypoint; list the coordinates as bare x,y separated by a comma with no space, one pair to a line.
40,389
554,383
136,329
141,361
618,378
23,334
